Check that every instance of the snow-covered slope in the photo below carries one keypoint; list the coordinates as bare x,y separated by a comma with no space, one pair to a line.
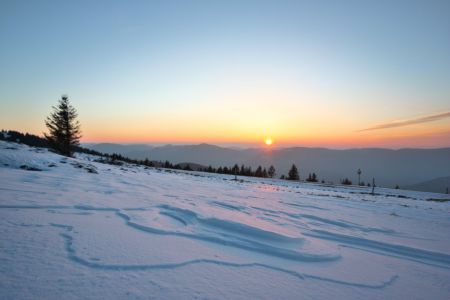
85,230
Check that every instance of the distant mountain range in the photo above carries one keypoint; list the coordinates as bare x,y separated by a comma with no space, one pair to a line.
437,185
403,167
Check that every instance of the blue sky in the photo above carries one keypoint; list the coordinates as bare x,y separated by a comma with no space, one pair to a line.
297,71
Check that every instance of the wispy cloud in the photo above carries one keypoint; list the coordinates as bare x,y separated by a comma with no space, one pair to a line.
401,123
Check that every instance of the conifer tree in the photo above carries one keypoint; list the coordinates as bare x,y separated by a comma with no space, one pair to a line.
235,170
258,172
264,173
346,181
64,130
293,173
249,172
271,171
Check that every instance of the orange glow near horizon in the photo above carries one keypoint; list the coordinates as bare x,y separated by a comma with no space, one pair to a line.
305,131
296,128
425,139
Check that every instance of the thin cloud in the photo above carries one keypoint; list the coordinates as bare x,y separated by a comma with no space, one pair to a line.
401,123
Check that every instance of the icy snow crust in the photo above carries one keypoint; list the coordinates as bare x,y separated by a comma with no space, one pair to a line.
128,232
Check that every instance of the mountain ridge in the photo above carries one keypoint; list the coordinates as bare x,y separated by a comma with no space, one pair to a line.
389,167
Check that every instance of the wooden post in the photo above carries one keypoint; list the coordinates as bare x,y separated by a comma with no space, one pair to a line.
373,186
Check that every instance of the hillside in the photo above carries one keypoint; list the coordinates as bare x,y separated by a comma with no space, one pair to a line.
73,228
402,167
437,185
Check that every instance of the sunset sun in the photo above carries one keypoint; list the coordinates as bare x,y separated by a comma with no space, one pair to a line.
268,141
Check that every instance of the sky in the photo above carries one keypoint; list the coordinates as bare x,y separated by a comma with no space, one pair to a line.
338,74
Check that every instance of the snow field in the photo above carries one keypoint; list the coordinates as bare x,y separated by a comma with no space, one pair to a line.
142,233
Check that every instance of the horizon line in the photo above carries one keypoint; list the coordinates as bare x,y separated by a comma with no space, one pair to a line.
243,146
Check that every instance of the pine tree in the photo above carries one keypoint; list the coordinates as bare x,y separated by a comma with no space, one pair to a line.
312,177
264,173
64,130
235,170
293,173
249,172
271,171
346,181
258,172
